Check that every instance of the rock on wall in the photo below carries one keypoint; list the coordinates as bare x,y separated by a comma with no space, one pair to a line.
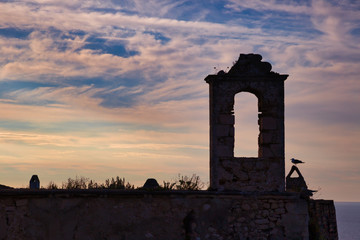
60,214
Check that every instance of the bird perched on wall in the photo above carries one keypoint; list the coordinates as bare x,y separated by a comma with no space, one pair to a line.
296,161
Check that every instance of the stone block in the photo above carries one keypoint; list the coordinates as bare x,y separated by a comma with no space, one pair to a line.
274,205
226,119
263,227
222,130
261,165
249,188
265,213
21,203
225,151
262,221
228,141
245,207
265,152
254,205
276,233
242,176
268,123
258,177
297,215
222,181
296,207
226,175
10,209
277,150
266,138
228,163
248,165
280,211
206,207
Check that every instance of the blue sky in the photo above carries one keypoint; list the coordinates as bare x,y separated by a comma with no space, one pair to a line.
107,88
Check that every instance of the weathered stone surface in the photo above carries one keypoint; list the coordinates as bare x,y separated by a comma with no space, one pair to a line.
246,207
242,176
225,151
249,65
280,211
248,165
227,141
277,149
226,119
262,221
266,138
261,165
265,152
268,123
145,215
258,177
223,130
21,202
249,74
322,219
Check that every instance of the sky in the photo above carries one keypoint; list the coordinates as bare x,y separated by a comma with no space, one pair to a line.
116,88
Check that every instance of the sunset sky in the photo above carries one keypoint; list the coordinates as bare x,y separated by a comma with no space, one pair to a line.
116,88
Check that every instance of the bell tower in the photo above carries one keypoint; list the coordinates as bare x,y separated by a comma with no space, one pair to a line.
267,171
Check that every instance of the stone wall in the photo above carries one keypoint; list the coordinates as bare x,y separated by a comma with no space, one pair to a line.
322,220
126,215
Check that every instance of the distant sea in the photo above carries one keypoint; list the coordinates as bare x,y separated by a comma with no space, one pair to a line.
348,220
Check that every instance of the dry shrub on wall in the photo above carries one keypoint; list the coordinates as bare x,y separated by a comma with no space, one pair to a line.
182,182
86,183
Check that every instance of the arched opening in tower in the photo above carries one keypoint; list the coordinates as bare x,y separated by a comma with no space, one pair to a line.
246,125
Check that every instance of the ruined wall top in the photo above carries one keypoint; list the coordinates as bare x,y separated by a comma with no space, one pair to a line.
248,65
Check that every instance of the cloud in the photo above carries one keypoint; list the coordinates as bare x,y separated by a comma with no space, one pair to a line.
79,57
288,6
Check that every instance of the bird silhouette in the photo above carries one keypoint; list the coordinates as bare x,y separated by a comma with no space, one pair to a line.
296,161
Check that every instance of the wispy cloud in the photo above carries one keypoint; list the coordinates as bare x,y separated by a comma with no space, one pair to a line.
288,6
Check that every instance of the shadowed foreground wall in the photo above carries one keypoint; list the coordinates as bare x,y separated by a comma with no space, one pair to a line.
322,219
125,215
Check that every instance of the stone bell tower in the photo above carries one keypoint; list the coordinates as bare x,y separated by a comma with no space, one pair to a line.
267,171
